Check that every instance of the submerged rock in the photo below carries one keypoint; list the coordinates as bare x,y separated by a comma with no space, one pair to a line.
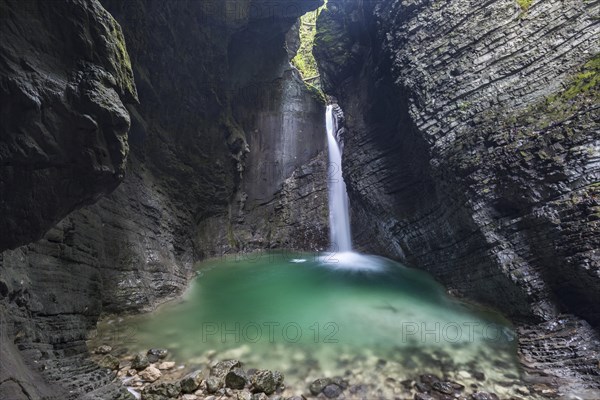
428,379
483,396
480,376
318,385
424,396
332,391
422,387
443,387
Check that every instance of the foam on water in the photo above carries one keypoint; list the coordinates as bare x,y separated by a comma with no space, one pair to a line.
351,261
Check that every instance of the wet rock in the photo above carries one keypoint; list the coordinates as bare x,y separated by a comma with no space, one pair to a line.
166,365
221,368
480,376
318,385
161,391
463,375
422,387
424,396
236,379
140,362
191,382
332,391
104,349
407,383
428,379
443,387
64,116
341,382
244,395
156,354
150,374
278,378
213,384
523,391
110,362
260,396
545,390
265,381
483,396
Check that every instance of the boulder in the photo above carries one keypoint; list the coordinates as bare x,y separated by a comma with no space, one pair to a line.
265,381
318,385
213,384
236,379
109,361
161,391
191,382
140,362
150,374
156,354
166,365
332,391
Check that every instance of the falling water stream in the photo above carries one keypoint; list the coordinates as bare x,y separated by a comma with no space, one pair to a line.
366,318
339,215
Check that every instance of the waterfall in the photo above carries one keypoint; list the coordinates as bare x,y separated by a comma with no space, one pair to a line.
339,216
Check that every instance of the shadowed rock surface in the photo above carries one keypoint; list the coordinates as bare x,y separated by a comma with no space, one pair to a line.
137,247
63,124
472,147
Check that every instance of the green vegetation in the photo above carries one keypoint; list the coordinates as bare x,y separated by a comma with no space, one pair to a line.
304,59
123,69
581,92
525,4
588,80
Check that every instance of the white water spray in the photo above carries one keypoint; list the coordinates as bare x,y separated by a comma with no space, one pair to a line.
339,219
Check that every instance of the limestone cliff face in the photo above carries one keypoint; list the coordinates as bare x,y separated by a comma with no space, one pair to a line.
472,146
63,124
191,158
281,199
65,76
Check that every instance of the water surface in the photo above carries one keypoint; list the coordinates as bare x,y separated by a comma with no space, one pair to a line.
334,314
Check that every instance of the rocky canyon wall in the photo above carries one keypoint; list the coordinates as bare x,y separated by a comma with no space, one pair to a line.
194,147
472,150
